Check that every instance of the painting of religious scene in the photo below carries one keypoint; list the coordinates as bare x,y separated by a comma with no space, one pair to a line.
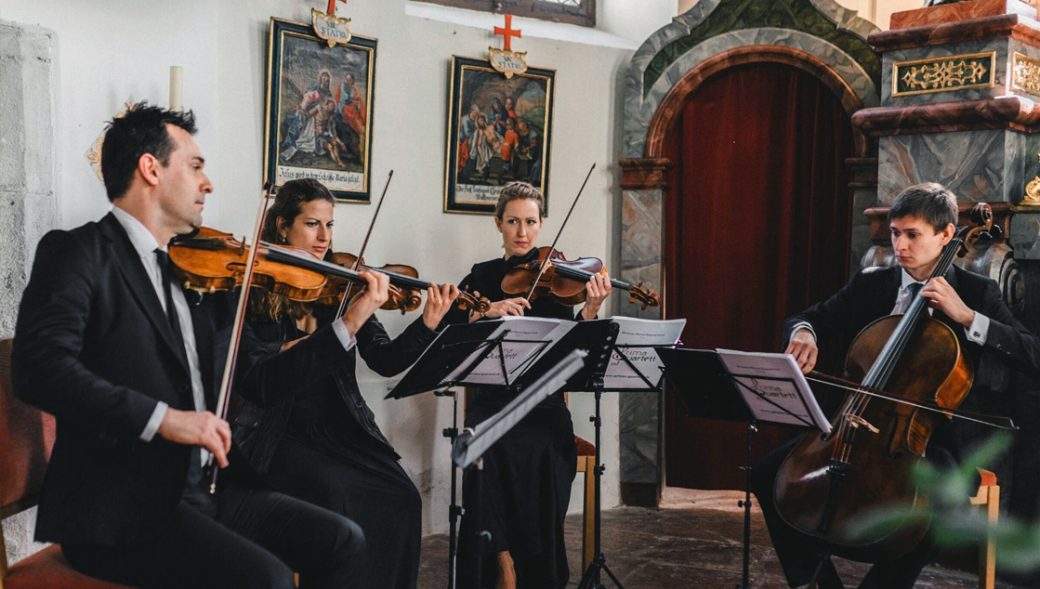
499,130
319,110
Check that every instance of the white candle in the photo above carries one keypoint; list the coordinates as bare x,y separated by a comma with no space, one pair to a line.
176,88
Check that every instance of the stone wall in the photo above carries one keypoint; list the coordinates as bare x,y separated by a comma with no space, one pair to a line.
28,205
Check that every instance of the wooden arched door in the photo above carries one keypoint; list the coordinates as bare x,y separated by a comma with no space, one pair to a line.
757,226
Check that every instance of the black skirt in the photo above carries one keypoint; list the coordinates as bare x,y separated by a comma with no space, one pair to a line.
524,491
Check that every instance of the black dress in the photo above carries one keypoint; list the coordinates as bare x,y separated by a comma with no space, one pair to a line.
526,485
321,444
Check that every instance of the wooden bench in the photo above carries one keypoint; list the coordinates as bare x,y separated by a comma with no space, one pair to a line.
26,438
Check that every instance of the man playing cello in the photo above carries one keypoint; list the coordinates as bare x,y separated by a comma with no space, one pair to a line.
922,220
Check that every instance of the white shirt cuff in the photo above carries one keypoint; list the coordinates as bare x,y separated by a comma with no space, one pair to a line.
344,336
158,414
803,325
978,330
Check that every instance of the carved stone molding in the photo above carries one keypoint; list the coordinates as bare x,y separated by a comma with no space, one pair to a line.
1002,213
988,27
643,174
1011,112
863,172
958,11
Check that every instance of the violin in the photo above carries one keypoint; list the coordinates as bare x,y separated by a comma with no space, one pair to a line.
829,481
212,260
401,298
466,300
552,274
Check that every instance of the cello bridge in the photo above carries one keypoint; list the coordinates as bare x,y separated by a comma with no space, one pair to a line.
856,421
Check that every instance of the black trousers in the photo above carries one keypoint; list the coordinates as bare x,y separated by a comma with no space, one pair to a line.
370,488
800,554
255,541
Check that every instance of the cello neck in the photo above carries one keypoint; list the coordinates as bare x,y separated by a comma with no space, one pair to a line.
882,369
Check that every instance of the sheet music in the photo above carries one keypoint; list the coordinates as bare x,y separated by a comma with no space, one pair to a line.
538,335
787,397
639,332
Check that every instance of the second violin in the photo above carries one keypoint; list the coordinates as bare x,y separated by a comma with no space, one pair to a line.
551,273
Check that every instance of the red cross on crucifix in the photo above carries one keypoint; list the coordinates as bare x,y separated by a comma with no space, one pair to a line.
508,32
332,7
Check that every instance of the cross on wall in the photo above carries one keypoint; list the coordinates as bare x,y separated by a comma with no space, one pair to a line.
507,33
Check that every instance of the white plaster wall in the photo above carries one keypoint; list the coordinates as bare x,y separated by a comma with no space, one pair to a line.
111,51
122,48
409,137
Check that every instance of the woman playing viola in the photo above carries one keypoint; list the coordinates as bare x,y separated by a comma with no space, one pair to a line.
526,486
322,444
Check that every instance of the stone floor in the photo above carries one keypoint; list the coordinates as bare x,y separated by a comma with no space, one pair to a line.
694,540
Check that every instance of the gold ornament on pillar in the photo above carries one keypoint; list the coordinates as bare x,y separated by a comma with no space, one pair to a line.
94,153
1032,196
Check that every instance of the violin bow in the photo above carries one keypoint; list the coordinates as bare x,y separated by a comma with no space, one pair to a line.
998,422
552,248
224,398
357,263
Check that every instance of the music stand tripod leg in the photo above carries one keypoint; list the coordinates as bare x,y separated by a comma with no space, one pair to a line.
454,509
591,577
745,581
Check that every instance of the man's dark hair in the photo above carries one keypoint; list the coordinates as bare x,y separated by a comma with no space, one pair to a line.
141,130
929,201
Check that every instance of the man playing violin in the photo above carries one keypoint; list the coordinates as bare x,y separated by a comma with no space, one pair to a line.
110,346
922,220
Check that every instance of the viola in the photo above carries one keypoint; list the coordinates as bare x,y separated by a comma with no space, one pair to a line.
466,300
552,274
212,260
401,298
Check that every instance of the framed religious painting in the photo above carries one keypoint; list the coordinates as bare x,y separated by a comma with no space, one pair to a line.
318,114
499,130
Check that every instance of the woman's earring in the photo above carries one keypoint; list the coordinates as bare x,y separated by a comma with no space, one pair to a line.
283,238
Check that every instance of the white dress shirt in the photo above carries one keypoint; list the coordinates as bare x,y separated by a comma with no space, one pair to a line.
976,332
144,244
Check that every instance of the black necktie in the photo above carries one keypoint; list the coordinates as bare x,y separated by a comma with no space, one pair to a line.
171,311
193,485
914,288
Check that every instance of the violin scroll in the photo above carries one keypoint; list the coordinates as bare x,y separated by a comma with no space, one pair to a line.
645,296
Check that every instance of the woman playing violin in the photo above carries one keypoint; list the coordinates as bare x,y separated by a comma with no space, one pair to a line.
922,220
321,443
528,473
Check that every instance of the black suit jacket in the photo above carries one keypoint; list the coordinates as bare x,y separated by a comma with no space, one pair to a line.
1009,345
93,347
258,430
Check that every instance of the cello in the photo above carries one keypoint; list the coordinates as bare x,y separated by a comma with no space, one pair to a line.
829,481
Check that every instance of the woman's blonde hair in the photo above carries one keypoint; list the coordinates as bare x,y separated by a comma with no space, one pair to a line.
519,191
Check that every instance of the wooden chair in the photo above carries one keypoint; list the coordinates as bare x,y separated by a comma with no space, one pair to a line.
988,496
26,438
586,465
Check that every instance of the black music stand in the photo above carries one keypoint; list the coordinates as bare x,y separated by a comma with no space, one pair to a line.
436,371
709,390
